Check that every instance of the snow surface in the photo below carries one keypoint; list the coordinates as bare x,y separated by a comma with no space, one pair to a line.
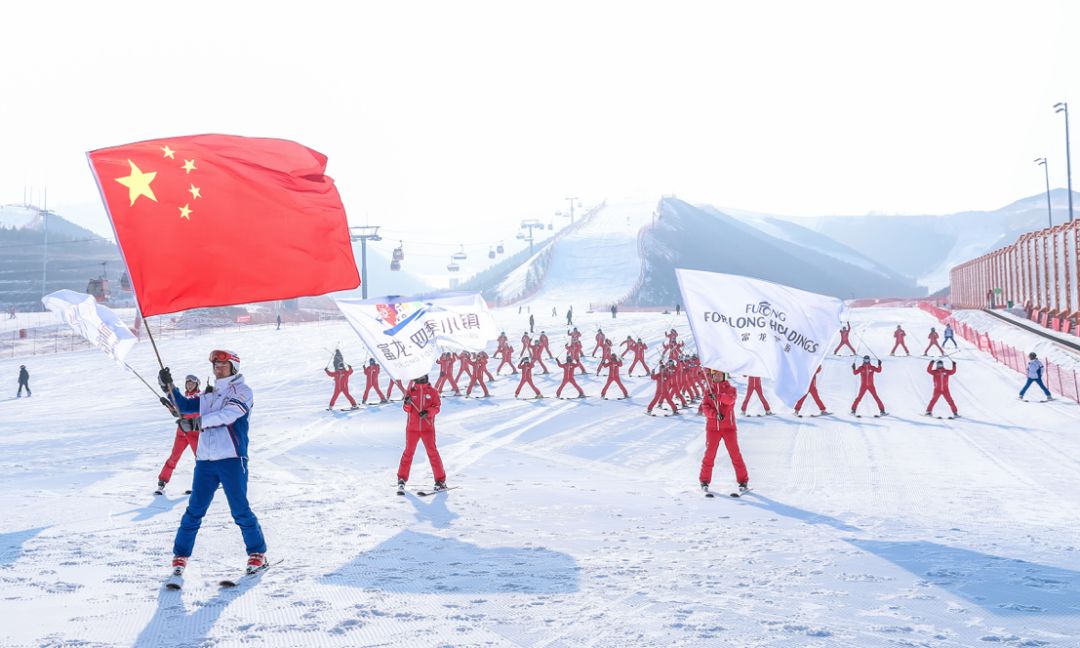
597,262
1024,341
18,216
577,523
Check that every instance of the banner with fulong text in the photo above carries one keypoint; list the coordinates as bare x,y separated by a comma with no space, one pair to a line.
759,328
407,334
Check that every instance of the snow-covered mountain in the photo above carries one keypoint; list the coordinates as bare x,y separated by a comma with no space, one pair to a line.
29,217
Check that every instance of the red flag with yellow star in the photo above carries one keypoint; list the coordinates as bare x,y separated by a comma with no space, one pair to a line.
215,220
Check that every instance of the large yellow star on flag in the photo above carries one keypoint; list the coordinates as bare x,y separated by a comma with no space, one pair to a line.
138,183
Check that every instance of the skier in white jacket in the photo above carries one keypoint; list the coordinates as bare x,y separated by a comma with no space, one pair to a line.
1034,375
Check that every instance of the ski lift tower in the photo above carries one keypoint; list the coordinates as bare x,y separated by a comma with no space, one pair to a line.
572,201
364,233
529,225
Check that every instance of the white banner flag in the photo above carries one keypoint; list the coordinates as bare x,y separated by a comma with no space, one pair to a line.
758,328
406,334
95,322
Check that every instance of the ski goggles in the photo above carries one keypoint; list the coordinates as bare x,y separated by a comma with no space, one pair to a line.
224,356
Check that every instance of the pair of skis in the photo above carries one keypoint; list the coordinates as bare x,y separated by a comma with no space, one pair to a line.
736,494
401,491
175,581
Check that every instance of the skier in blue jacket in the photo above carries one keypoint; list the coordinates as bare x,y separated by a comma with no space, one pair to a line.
221,458
1034,375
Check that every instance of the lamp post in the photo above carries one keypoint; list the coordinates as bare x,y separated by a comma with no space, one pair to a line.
364,233
1046,172
1063,107
572,200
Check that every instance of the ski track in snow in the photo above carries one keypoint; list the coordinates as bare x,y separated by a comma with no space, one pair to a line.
578,523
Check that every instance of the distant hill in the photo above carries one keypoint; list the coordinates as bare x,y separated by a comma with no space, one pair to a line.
686,236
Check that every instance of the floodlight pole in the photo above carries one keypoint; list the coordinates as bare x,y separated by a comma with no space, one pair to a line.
364,233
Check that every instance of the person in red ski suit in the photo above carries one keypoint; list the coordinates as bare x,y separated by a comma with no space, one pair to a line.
941,385
506,355
538,357
568,377
465,365
543,341
933,337
371,371
526,343
341,384
719,410
753,385
526,377
600,337
183,439
613,363
899,334
479,368
676,386
812,392
502,342
390,388
446,374
866,374
422,404
575,351
639,348
845,331
575,334
482,359
628,343
663,377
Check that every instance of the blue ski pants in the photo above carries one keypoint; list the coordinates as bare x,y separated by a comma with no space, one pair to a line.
1037,381
233,477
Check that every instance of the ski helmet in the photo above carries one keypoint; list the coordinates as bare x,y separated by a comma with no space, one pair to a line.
866,358
220,355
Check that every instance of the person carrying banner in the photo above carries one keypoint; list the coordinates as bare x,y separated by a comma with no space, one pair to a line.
899,335
950,336
371,372
1034,375
221,457
814,393
421,404
341,384
866,375
941,385
753,386
933,337
526,377
568,377
613,363
719,410
845,331
183,438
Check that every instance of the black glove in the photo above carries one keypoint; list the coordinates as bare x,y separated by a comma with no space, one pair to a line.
423,414
169,406
164,379
209,389
408,400
190,424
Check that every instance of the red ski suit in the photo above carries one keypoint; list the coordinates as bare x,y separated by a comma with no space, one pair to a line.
941,386
629,344
845,331
575,351
372,373
446,374
465,366
567,377
663,377
933,337
390,388
181,441
421,397
812,392
506,358
719,410
479,369
613,363
538,358
753,385
639,356
866,373
526,378
543,341
599,343
899,335
341,384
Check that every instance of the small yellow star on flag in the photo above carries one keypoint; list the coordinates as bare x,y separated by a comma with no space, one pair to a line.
189,165
194,191
185,212
169,153
138,183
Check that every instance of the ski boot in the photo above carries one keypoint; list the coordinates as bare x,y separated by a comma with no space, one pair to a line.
743,487
439,486
256,563
705,487
179,564
160,488
401,487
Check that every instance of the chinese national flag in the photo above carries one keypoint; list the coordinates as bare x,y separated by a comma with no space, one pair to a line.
215,220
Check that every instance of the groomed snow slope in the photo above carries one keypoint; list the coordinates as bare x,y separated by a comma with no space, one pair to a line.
578,523
598,262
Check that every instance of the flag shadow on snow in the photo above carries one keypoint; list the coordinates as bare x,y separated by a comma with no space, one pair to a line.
176,623
11,544
1001,586
421,563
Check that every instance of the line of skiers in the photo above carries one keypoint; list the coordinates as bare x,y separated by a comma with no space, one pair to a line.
899,336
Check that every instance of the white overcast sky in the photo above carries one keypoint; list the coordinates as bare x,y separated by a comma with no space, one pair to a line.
447,115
